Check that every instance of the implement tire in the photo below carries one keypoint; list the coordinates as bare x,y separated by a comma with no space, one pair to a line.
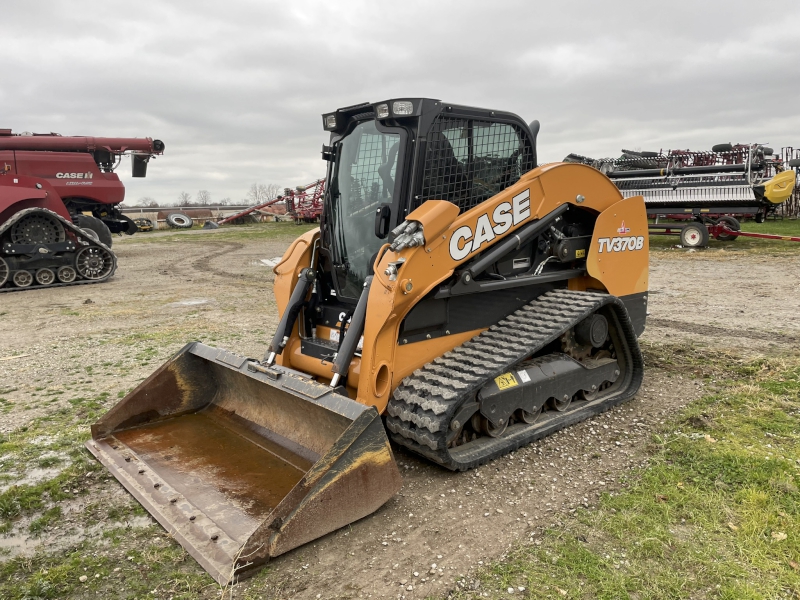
694,235
731,224
179,221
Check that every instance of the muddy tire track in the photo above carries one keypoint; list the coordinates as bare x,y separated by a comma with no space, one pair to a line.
715,331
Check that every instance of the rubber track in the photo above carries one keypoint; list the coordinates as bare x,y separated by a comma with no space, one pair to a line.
78,233
422,406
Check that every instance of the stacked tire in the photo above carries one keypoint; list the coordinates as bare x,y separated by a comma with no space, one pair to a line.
179,221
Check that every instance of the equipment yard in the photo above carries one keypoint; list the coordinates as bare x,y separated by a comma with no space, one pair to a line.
67,355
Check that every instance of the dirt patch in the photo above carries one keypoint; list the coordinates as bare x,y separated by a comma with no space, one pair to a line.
747,304
178,288
459,521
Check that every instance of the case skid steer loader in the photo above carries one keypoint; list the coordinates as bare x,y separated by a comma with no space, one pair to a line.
473,300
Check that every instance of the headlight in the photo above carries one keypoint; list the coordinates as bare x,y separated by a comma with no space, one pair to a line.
330,121
382,110
402,107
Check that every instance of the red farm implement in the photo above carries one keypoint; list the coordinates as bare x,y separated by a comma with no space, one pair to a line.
700,195
304,204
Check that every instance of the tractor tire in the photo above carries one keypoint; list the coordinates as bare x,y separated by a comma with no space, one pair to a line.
97,226
694,235
179,221
91,233
722,148
760,217
732,224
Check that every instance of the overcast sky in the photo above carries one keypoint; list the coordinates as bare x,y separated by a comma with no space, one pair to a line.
235,89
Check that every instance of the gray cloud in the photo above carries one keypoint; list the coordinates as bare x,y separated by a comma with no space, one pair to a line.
236,89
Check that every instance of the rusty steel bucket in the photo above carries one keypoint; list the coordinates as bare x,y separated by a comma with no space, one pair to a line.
241,463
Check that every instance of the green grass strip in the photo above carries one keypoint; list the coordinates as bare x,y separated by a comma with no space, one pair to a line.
716,514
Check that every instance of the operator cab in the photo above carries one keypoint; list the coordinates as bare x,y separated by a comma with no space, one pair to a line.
386,159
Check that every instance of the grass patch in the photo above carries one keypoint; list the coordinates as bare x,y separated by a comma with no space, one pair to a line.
26,499
40,524
255,231
156,568
716,514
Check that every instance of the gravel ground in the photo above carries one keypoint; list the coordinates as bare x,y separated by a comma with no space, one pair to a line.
100,341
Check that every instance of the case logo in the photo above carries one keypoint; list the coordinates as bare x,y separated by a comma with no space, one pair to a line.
504,216
87,175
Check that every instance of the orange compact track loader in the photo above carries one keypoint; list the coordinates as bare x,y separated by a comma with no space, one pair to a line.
456,297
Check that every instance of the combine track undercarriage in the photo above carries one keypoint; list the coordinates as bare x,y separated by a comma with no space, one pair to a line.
39,248
559,360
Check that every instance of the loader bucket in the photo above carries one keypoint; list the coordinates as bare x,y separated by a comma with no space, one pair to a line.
241,463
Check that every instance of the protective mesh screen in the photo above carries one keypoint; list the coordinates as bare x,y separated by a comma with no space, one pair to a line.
373,168
469,161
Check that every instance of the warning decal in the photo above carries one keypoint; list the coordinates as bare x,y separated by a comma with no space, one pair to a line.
505,381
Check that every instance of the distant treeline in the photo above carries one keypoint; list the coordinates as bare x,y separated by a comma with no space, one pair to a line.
258,194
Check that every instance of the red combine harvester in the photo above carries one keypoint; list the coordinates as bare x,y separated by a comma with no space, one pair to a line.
59,199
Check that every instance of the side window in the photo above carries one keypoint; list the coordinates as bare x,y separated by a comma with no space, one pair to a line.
497,149
372,170
446,162
458,137
469,161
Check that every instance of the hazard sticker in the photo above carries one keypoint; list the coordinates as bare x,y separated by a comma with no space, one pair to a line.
580,253
505,381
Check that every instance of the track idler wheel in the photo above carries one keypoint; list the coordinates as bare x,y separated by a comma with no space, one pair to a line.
45,277
560,404
4,270
482,425
94,263
22,279
37,228
529,417
593,330
66,274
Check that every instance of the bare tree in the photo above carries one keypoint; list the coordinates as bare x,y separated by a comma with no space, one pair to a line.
184,199
260,193
147,202
273,189
203,198
224,202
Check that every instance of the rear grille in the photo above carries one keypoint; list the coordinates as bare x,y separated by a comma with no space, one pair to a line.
469,161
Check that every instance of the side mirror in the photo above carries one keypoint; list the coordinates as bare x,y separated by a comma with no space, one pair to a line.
534,128
382,219
139,165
